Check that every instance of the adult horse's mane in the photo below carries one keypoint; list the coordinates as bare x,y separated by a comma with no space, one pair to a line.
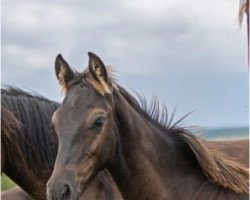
8,122
33,113
218,168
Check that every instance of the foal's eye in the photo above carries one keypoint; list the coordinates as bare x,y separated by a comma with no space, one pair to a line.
99,122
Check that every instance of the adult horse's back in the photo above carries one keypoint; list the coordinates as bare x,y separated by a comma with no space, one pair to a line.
100,125
29,146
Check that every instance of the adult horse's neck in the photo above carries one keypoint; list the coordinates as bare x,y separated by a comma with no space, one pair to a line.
150,164
23,175
31,147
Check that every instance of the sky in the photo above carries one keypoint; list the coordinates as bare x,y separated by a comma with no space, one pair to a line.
191,54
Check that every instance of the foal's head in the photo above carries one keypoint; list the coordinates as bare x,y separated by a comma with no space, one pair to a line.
85,126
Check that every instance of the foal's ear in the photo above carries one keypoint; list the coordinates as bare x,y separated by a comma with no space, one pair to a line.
63,72
99,73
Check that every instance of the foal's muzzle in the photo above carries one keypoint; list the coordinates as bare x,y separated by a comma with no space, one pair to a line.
61,188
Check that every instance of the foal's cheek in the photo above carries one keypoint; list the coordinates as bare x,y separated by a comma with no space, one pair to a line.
109,145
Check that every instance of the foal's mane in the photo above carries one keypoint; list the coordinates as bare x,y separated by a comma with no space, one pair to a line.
218,168
33,134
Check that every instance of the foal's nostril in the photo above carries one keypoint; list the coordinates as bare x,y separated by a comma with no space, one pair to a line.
66,192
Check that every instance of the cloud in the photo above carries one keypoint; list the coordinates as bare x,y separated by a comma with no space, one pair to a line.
143,39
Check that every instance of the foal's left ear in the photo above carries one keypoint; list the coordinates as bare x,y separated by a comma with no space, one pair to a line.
99,73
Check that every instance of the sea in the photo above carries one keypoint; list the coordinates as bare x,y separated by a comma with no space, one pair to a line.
224,133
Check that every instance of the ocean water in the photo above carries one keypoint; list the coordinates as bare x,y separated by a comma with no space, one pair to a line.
225,133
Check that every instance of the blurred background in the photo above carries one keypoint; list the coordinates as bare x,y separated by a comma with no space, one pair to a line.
191,54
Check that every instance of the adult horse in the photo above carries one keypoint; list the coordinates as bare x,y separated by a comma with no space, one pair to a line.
29,147
15,194
100,125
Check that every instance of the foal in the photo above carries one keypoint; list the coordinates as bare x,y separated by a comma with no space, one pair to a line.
100,125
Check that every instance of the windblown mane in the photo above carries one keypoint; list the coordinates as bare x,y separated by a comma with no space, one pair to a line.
33,135
152,111
218,168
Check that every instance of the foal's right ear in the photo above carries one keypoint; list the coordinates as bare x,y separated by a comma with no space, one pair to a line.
63,72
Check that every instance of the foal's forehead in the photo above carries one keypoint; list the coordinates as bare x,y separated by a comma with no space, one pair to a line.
82,91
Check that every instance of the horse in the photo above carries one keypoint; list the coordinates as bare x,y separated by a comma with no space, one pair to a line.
101,125
29,147
15,194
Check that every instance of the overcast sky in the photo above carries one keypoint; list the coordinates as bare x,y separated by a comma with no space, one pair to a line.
191,54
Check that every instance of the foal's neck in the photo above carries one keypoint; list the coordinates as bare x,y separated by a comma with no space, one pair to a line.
146,160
